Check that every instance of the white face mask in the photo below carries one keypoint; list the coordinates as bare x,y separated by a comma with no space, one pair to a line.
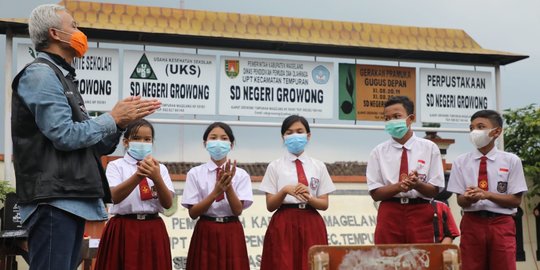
480,138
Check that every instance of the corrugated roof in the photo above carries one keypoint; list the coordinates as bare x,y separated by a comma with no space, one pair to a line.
233,30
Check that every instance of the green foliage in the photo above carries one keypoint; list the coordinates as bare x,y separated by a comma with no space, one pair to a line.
522,137
5,188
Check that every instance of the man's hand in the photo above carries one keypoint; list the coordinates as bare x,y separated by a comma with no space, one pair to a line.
133,108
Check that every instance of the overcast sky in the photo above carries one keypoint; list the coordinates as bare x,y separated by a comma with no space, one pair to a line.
510,26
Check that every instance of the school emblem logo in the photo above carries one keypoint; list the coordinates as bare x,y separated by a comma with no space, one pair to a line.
483,184
314,183
402,177
502,186
320,74
143,70
232,68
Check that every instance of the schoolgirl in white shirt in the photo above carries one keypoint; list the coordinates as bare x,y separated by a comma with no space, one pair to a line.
216,193
136,237
296,185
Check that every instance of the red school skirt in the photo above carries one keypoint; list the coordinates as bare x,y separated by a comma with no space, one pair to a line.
132,244
218,245
289,236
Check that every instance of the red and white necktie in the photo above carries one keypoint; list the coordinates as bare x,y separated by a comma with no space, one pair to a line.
144,189
404,165
218,174
300,172
482,174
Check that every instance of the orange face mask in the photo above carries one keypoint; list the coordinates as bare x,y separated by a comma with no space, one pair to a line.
78,42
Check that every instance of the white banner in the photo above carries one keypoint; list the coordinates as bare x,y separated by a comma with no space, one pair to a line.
97,73
350,220
452,96
276,88
184,83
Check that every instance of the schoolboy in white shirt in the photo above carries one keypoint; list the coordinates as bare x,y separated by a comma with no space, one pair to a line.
404,173
489,184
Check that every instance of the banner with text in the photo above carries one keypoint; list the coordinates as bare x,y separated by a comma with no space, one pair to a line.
363,89
184,83
275,88
452,96
346,225
97,75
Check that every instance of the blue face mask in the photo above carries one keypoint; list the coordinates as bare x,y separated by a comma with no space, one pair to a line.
397,128
218,149
296,143
139,150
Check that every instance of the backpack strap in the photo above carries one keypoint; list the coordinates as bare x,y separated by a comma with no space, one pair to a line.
446,229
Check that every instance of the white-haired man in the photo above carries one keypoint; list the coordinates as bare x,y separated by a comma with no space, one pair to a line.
57,147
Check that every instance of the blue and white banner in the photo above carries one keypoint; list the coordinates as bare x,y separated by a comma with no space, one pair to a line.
275,88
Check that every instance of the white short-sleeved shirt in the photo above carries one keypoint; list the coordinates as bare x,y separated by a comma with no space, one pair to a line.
505,176
200,182
282,172
422,155
119,171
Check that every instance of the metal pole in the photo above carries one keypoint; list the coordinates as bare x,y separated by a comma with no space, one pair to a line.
7,108
500,140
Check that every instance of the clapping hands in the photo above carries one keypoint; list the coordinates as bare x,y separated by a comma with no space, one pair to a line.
149,167
225,177
133,108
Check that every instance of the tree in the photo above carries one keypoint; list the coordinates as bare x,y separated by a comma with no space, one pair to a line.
522,137
5,188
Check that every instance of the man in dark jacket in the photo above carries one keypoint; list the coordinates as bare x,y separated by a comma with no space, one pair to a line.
57,147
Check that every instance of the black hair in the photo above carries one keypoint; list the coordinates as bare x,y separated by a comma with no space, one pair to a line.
222,125
289,121
403,100
494,117
133,128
